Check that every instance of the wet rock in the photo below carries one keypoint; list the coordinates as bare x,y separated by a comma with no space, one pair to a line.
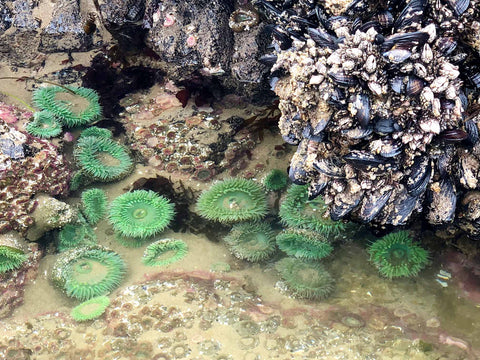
17,45
5,16
191,35
123,19
49,214
65,31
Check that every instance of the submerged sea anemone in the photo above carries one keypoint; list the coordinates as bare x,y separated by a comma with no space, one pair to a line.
233,200
44,125
253,241
298,211
164,252
102,159
306,280
90,309
12,254
304,244
131,242
396,255
75,106
88,271
276,180
96,131
140,213
75,234
94,203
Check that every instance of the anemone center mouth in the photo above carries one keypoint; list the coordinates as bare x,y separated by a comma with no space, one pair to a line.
107,159
83,267
233,203
398,255
139,213
243,17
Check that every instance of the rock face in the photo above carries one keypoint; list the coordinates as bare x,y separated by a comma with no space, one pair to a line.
190,39
23,36
28,165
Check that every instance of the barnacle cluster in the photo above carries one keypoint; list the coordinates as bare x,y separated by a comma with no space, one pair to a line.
380,100
28,165
193,142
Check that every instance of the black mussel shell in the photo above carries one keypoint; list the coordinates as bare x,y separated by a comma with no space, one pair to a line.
268,59
453,135
446,45
420,176
414,86
361,104
385,18
372,204
404,41
443,201
317,185
472,130
364,160
322,38
344,203
341,79
329,167
459,6
411,14
386,126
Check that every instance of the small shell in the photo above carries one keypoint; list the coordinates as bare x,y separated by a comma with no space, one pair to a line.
440,84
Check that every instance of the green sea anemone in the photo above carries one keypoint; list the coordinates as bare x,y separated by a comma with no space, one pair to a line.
94,203
252,241
276,180
396,255
75,234
305,280
131,242
79,106
44,125
233,200
98,132
90,309
140,213
297,211
304,244
164,252
102,159
78,180
12,252
88,271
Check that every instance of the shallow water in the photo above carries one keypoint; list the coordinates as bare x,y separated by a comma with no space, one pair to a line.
186,310
210,305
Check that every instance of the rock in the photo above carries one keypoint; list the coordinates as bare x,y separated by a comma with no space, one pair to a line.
49,214
65,30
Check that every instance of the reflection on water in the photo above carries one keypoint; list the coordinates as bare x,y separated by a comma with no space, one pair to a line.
187,311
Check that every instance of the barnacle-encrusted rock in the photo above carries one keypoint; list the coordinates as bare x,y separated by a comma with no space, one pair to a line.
381,103
49,214
28,165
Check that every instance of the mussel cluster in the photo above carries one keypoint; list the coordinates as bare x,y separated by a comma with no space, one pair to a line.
382,99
